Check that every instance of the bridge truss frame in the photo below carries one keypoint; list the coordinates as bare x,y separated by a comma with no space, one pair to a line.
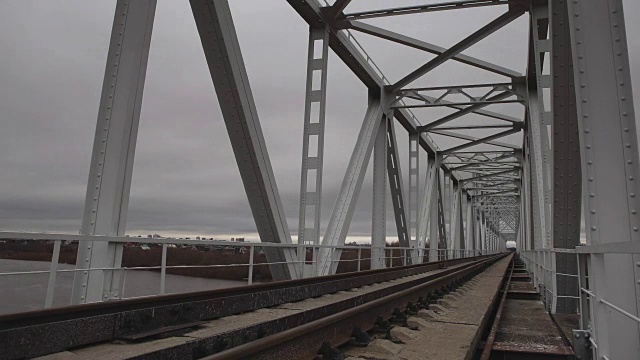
579,150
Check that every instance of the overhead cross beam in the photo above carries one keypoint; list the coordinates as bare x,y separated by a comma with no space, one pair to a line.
464,111
481,140
473,138
472,39
405,10
428,47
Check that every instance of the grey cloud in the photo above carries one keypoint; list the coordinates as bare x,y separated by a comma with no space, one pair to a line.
186,180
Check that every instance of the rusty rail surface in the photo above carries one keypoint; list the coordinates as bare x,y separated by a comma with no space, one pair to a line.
488,346
48,331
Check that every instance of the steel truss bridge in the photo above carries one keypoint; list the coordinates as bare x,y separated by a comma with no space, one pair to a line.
576,151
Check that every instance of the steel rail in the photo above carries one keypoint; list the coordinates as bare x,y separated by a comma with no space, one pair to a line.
21,334
488,346
303,342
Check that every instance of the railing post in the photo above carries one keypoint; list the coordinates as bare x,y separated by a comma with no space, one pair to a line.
250,275
163,269
53,271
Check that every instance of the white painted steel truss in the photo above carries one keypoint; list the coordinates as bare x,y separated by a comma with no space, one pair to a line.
575,148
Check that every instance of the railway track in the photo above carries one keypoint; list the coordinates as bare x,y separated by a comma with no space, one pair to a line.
391,293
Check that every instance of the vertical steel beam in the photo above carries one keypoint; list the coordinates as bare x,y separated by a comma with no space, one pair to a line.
379,213
567,176
414,191
441,220
107,198
342,212
456,219
313,137
539,117
427,207
470,236
222,52
609,152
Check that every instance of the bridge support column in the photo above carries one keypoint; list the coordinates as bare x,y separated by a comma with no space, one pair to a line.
428,211
313,138
413,196
609,153
379,211
107,198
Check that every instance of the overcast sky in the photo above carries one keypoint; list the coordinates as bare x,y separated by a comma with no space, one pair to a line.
185,179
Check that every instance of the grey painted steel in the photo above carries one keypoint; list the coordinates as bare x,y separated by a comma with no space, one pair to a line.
483,140
413,195
338,7
223,55
467,207
457,226
107,198
448,5
539,139
566,170
379,208
473,138
311,12
440,218
347,196
428,208
428,47
313,151
466,110
485,31
396,184
609,152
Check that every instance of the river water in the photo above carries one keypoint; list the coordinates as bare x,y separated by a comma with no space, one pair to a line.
20,293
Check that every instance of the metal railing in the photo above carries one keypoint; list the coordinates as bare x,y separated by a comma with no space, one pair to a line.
597,307
363,256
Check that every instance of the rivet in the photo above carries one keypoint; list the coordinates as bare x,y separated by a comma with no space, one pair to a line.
592,195
593,211
590,179
587,131
593,228
589,162
629,161
632,195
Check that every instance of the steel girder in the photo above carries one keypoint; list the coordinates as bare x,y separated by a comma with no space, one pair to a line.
342,212
566,170
609,153
482,33
313,138
415,9
379,211
107,197
223,55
